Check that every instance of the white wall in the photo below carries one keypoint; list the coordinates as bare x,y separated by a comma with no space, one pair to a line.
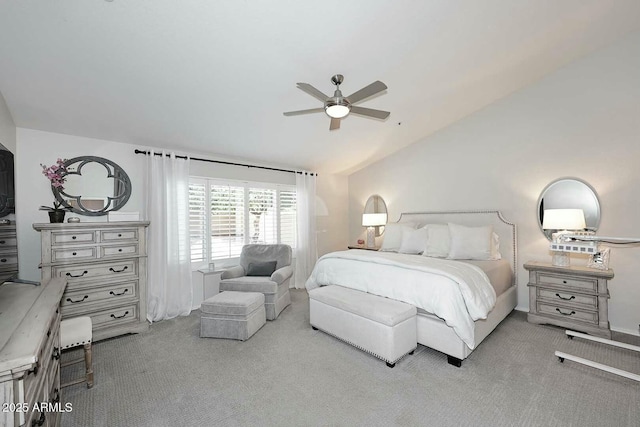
7,127
581,121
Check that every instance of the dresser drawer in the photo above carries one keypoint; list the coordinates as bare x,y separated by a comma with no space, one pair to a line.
8,259
565,313
120,235
66,237
8,241
114,316
112,292
119,250
584,283
77,273
568,298
82,253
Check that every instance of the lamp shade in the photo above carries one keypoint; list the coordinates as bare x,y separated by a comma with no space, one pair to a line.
374,220
563,219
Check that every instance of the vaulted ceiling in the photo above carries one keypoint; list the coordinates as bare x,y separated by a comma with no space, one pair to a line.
214,77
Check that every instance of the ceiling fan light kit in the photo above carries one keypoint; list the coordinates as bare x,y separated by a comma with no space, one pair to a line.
338,106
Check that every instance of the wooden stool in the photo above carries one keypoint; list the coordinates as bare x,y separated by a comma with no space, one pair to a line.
73,333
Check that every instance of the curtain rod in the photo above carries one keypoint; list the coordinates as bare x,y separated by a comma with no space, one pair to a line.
228,163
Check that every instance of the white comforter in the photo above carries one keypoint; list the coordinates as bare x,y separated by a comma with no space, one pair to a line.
457,292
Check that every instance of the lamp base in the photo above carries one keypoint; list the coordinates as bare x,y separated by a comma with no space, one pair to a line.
371,237
561,259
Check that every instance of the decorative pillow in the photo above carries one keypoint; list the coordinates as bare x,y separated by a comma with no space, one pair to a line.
392,237
414,241
495,247
262,268
470,242
438,240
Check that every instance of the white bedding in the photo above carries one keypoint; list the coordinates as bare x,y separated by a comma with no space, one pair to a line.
457,292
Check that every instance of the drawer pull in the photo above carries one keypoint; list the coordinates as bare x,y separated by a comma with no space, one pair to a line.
34,371
565,314
79,275
120,250
121,293
119,317
119,235
39,421
2,242
48,333
74,254
56,353
57,398
566,299
3,260
79,300
74,237
564,281
118,271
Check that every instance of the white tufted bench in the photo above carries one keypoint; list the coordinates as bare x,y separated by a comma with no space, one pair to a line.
381,326
73,333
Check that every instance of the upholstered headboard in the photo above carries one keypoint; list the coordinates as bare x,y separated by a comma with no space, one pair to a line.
504,229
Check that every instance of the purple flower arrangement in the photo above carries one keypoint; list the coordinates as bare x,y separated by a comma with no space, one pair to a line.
55,173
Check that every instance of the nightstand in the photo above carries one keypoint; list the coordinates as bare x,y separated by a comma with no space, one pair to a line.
362,247
573,297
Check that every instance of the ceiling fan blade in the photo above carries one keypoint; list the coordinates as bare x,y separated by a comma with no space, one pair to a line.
367,91
335,124
312,91
370,112
299,112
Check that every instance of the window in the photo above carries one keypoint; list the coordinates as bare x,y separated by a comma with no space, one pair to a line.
225,215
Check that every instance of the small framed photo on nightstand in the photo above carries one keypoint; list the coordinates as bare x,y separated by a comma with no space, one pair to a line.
600,260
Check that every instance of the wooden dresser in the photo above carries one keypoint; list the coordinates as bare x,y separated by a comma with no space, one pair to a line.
30,354
105,265
8,252
573,297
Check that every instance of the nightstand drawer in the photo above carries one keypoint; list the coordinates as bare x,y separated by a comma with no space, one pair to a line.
568,313
568,298
568,281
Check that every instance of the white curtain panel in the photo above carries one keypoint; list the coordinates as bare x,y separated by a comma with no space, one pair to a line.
169,292
306,250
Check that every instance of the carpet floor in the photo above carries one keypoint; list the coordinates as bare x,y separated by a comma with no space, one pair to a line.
290,375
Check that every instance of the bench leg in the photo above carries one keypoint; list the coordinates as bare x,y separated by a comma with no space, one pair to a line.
454,361
88,365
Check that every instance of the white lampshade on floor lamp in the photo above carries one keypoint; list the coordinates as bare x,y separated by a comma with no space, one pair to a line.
372,220
564,221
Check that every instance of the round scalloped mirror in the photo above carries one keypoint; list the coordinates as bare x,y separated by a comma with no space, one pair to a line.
94,186
570,193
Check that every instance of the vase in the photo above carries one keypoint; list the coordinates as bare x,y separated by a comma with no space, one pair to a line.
56,216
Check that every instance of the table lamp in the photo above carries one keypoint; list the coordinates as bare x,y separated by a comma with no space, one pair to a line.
563,221
372,220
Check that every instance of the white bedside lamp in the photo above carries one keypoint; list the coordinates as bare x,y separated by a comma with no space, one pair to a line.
563,220
372,220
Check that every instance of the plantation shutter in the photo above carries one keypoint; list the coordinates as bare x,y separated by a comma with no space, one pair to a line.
227,220
288,217
198,220
263,219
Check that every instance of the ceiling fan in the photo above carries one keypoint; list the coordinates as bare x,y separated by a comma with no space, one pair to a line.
338,106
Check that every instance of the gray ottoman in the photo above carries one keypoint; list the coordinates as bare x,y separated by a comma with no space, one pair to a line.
232,315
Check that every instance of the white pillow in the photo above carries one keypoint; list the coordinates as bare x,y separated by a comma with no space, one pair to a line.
392,237
437,241
414,241
495,247
471,242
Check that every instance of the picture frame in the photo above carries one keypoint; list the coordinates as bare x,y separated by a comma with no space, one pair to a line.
600,260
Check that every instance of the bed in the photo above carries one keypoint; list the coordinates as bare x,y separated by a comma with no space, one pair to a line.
454,325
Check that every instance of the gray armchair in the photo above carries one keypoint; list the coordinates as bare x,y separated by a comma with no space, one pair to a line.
257,261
